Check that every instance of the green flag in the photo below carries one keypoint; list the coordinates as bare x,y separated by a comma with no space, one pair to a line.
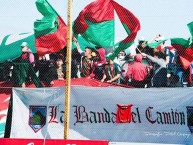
95,23
190,27
155,44
51,31
185,52
10,45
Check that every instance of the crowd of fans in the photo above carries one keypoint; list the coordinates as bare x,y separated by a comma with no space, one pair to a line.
148,67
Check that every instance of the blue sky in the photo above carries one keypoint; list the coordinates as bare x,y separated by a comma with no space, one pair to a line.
166,17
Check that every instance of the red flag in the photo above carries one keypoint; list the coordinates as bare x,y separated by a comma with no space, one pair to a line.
51,31
131,25
184,50
128,20
96,12
95,23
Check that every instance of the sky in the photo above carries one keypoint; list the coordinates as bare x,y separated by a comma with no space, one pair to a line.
166,17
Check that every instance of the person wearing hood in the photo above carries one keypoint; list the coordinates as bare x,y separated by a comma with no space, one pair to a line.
137,72
98,62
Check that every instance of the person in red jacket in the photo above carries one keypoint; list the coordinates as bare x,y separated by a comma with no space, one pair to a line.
137,72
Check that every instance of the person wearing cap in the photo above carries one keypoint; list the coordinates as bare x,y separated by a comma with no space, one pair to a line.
170,55
27,55
23,68
161,48
142,47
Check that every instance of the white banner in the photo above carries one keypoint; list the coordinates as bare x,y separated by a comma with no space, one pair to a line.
161,115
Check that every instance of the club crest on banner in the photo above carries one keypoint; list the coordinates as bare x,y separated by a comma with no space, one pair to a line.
37,117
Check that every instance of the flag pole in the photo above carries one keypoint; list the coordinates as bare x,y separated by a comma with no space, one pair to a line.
68,71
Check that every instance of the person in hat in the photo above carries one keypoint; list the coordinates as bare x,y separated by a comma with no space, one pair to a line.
142,47
23,68
27,55
171,57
